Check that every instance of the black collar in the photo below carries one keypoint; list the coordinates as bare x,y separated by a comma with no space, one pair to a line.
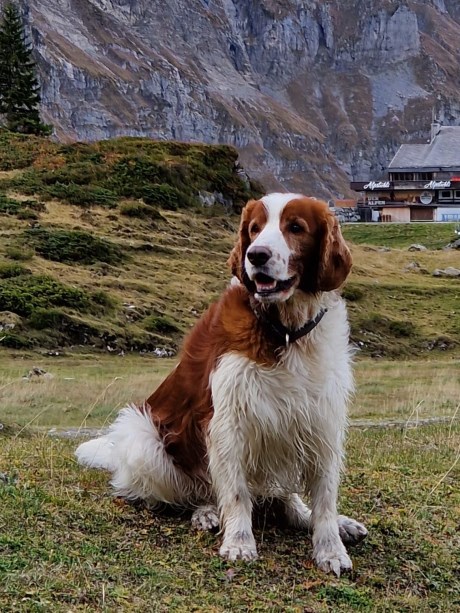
286,335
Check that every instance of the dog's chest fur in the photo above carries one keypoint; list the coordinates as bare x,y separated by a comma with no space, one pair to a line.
283,421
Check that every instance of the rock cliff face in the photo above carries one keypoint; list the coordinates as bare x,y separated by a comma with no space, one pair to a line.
312,93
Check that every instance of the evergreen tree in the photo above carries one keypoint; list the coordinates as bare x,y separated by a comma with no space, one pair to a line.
19,89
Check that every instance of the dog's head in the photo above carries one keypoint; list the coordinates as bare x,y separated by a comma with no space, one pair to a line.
289,242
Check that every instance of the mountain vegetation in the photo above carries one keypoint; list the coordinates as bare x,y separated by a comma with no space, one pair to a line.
120,245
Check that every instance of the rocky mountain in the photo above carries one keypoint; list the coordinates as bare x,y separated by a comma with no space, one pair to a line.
312,93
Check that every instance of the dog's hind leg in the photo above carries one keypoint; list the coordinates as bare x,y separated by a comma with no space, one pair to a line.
205,517
297,512
299,516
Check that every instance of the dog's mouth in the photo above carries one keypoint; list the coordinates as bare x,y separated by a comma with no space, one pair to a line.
267,286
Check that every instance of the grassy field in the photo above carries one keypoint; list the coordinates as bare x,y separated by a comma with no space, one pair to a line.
65,545
400,235
87,391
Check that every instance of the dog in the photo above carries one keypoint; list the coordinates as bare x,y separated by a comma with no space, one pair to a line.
256,408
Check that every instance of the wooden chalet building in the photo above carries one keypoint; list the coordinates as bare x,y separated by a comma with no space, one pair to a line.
422,182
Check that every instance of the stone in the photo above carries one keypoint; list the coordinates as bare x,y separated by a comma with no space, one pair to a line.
450,271
416,247
454,245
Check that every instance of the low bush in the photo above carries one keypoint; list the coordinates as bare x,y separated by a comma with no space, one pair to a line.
23,209
9,206
352,293
160,323
8,271
27,214
401,329
139,210
72,247
25,294
81,195
41,319
391,327
20,254
166,197
103,302
13,340
18,150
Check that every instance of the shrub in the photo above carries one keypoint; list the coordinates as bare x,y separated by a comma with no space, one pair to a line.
402,329
134,170
61,327
352,293
9,206
166,197
12,340
21,254
160,323
27,214
104,301
383,325
21,208
18,150
47,318
73,246
81,195
139,210
8,271
25,294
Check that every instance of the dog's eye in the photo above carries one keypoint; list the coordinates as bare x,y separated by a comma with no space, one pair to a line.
255,229
295,228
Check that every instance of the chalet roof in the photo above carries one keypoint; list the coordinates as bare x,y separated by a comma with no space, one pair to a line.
442,152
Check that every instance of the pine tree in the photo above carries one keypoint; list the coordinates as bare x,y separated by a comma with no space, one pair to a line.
19,89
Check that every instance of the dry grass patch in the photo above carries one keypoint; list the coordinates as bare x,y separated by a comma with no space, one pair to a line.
89,390
408,390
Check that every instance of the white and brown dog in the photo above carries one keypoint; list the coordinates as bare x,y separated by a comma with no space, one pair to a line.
256,408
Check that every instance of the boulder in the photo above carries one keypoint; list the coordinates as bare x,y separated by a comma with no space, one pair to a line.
450,271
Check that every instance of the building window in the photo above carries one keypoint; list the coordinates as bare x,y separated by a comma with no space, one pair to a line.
402,176
457,194
446,194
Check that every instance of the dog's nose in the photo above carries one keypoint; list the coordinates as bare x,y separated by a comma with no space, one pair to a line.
258,256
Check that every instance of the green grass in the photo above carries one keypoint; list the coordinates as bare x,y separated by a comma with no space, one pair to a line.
397,235
66,545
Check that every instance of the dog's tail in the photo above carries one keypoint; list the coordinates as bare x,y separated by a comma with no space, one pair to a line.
96,453
134,453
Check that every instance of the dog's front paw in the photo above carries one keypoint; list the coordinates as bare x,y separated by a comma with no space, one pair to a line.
333,560
351,531
239,547
205,518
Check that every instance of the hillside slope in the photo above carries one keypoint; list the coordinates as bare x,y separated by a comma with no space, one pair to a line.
312,93
96,253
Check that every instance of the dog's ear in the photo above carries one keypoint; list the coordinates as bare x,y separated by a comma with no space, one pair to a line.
236,259
334,256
